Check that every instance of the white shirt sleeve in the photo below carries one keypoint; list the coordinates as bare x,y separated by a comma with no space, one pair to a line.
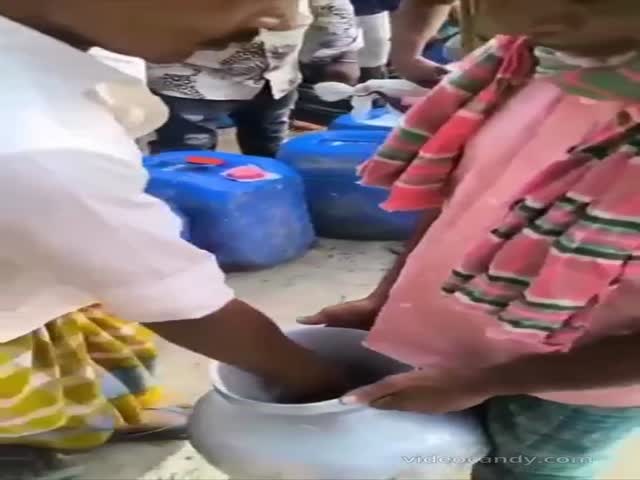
85,217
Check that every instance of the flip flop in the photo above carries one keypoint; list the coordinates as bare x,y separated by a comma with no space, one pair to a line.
157,433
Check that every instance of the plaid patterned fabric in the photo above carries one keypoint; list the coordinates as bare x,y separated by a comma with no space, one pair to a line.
598,80
71,383
572,233
417,159
535,439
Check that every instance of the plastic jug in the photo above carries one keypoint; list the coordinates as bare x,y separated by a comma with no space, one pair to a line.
340,207
248,223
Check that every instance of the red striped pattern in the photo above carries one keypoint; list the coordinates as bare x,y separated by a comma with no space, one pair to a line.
572,233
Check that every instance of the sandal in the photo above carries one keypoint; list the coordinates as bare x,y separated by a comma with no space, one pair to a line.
178,430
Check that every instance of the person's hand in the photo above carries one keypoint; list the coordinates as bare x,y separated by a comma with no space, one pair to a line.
358,314
426,392
420,71
171,31
275,15
319,380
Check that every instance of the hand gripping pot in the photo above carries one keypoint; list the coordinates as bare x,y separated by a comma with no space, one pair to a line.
238,428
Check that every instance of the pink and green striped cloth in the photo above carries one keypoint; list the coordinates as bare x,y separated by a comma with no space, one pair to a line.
572,233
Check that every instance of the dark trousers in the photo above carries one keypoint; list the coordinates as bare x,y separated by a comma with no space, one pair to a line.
262,123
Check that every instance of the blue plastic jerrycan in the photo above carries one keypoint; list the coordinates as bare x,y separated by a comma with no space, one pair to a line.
248,224
340,207
378,119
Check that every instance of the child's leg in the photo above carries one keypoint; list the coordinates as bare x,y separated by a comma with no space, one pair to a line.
191,124
535,439
263,123
374,56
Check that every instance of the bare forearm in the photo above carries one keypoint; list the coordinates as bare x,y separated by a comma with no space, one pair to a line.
613,362
413,25
382,290
242,336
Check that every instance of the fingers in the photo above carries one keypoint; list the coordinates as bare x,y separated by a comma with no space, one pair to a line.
398,104
430,74
279,24
317,319
331,317
269,23
411,400
359,314
280,15
387,387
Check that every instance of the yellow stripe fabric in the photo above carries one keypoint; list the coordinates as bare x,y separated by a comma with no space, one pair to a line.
71,383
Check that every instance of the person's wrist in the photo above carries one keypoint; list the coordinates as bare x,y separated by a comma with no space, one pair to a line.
377,298
322,379
408,63
498,381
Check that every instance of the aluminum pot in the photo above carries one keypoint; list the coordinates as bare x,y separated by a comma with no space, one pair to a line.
240,430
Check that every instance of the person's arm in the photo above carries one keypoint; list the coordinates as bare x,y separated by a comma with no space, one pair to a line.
612,362
242,336
413,25
84,217
609,363
330,50
362,313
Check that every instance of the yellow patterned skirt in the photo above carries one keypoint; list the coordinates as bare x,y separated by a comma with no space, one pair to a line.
73,382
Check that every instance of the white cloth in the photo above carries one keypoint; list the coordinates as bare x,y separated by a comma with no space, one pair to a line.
77,227
363,95
241,70
376,32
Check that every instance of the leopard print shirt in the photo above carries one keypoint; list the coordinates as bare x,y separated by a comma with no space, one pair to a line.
243,69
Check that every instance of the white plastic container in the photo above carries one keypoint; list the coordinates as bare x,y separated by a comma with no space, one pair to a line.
239,431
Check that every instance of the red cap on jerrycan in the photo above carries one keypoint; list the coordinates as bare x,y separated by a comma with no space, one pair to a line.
197,160
247,172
